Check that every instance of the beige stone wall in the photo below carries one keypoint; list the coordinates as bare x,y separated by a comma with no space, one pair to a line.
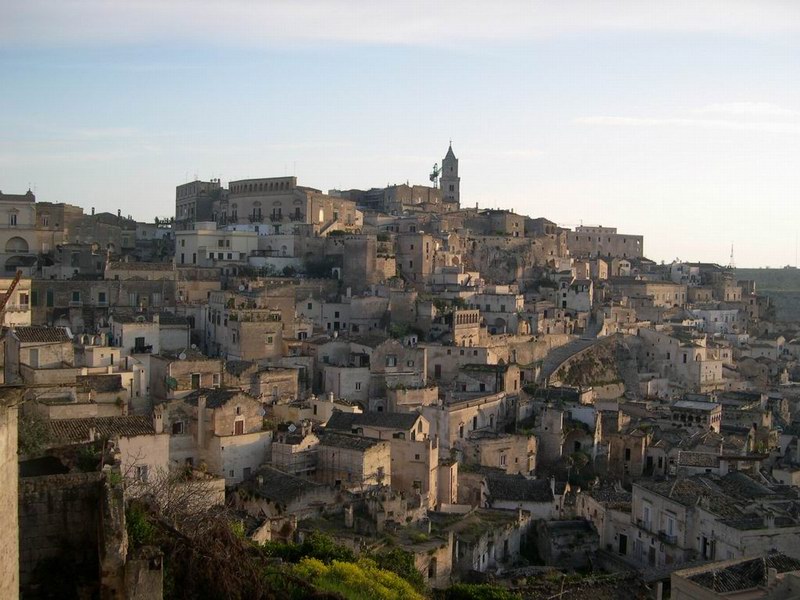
354,469
9,520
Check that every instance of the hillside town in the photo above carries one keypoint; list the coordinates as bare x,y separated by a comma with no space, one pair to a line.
502,399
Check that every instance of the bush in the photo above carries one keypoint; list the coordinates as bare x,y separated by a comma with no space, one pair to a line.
140,531
401,563
33,434
482,591
316,545
362,580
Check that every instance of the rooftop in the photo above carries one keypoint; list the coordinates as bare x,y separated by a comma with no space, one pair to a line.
276,486
42,334
99,383
348,442
342,421
70,431
520,488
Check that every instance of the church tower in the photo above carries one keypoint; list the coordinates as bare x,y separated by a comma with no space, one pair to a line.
450,182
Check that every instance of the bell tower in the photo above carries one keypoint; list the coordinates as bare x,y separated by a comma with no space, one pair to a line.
450,182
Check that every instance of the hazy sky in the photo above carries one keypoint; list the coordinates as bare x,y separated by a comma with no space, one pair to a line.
676,120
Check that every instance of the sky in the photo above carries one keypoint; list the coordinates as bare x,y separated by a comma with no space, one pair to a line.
677,120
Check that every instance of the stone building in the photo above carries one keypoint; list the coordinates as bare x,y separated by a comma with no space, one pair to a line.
19,244
450,182
604,241
194,201
222,429
353,462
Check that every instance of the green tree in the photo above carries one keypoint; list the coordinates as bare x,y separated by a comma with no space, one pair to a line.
33,434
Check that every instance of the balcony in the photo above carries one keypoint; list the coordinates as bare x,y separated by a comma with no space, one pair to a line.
17,307
142,349
663,536
276,217
296,217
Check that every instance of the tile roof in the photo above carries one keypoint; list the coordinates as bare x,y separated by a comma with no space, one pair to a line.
350,442
276,486
42,334
519,488
342,421
215,398
743,575
77,430
99,383
697,459
237,367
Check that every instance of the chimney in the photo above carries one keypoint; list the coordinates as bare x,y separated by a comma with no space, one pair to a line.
349,519
93,210
92,434
772,576
201,421
330,397
158,421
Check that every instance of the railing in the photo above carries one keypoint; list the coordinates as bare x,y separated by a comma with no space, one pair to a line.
141,349
663,536
276,217
17,307
296,217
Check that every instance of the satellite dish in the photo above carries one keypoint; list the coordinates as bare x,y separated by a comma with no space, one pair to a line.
292,428
241,288
194,346
182,356
262,411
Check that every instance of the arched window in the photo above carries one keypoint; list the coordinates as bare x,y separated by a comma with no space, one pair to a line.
16,244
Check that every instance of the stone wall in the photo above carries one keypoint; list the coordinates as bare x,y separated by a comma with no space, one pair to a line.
58,529
9,541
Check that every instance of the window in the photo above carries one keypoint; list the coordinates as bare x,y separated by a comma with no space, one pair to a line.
12,219
474,422
140,473
416,457
101,298
391,360
246,472
358,385
310,306
502,460
76,296
49,299
195,381
215,380
178,428
269,339
627,453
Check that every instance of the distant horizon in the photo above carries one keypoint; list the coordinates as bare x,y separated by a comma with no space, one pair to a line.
679,121
139,219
